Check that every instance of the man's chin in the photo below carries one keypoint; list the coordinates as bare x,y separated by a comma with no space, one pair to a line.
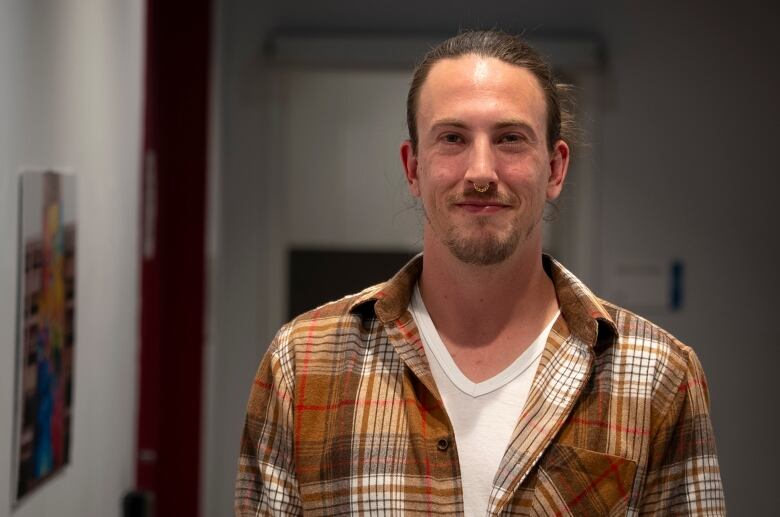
482,252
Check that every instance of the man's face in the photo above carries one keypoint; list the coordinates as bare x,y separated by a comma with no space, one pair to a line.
483,122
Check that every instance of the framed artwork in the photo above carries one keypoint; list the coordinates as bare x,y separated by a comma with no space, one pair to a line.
45,329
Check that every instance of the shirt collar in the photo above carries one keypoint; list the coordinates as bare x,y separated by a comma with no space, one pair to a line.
583,311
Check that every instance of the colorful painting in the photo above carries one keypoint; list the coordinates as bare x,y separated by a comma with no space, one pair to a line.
46,338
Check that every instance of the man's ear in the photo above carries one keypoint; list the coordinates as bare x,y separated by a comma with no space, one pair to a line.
559,166
409,161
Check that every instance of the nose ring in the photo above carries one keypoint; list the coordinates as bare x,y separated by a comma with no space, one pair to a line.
482,188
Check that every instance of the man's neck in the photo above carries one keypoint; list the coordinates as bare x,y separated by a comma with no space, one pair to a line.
487,312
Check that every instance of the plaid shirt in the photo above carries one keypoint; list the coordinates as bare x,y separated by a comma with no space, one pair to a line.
344,417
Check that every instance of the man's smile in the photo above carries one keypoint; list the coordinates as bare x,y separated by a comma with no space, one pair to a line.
481,204
482,207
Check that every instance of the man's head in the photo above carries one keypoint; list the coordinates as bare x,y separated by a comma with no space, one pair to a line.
485,151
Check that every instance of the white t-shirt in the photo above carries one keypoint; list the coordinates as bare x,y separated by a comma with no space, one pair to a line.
483,414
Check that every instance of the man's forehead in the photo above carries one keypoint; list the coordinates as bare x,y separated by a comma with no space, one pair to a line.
451,78
478,69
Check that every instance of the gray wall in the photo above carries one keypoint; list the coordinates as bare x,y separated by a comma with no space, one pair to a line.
70,97
686,165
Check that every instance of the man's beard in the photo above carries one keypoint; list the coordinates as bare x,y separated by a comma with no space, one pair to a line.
487,248
484,250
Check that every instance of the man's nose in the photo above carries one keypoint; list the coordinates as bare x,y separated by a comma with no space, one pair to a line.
481,170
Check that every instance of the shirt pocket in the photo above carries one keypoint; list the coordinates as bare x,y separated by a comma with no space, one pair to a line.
574,481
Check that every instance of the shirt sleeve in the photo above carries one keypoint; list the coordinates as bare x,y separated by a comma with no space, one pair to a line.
266,483
683,477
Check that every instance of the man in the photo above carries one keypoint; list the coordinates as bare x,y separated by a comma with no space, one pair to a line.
484,377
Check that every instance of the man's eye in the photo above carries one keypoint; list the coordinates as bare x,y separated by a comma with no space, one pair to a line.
452,138
512,138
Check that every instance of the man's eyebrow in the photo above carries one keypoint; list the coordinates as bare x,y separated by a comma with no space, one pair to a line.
501,124
453,122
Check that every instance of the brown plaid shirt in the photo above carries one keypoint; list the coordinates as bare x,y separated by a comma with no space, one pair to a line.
344,418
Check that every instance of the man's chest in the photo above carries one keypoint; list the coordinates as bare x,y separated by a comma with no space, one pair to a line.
375,436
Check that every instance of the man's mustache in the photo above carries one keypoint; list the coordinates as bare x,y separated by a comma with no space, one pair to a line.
492,196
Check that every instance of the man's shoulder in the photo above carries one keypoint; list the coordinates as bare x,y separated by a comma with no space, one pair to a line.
344,307
641,342
342,316
622,334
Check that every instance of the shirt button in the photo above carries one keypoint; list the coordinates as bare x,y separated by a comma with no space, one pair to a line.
443,444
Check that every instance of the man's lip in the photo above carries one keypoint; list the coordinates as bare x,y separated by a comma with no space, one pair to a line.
482,207
477,203
481,204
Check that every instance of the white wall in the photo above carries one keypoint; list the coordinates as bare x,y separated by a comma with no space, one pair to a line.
684,150
70,97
